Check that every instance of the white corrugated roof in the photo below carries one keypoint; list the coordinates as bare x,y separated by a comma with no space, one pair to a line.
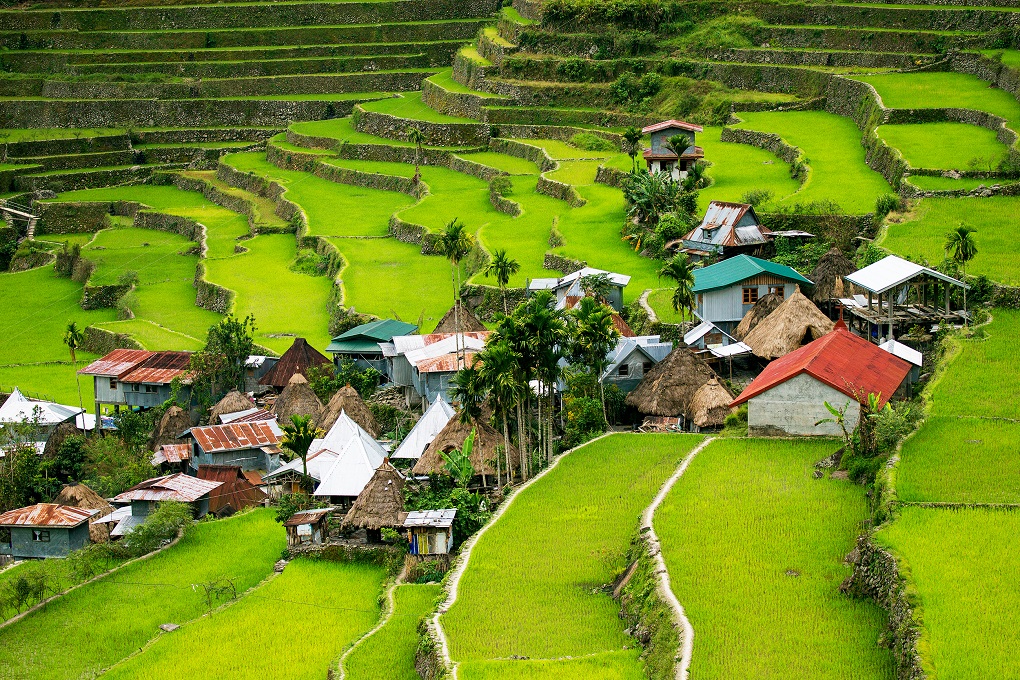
902,351
892,271
319,462
554,284
698,332
425,430
353,468
731,350
445,346
430,518
19,409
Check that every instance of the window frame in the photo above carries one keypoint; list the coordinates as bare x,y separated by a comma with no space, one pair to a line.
623,371
748,293
40,535
113,383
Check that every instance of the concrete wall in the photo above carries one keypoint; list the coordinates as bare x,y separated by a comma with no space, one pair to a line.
796,405
62,541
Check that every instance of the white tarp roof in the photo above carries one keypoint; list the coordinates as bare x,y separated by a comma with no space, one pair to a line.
353,468
425,430
902,351
731,350
318,463
19,409
445,346
892,271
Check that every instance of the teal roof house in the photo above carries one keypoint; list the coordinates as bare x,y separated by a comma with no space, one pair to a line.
727,290
361,343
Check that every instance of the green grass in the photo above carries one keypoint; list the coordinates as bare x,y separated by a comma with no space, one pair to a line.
409,105
444,79
832,145
661,300
59,571
343,130
1010,58
961,460
558,150
963,568
945,146
924,236
36,134
389,652
578,173
943,90
152,336
542,565
929,183
94,627
318,606
500,161
744,516
739,168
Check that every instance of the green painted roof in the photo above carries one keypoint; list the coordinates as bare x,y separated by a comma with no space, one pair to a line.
736,269
365,338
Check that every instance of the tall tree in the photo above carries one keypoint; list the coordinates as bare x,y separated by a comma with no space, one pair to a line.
680,270
455,243
298,438
469,391
500,372
514,333
416,137
593,337
547,334
632,136
74,338
503,267
221,362
961,246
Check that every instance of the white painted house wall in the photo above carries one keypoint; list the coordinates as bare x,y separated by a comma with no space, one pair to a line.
793,407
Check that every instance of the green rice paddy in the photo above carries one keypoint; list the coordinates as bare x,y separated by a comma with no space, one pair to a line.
389,652
754,545
943,90
945,146
739,168
409,105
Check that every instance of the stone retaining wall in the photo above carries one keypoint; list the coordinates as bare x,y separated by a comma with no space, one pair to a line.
560,190
469,167
612,177
312,163
436,134
563,264
528,152
68,218
101,341
60,147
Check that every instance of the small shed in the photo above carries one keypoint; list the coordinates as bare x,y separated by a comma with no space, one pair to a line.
348,400
488,442
172,457
308,527
45,530
237,493
430,532
631,359
791,325
908,354
380,504
673,389
674,162
727,229
295,361
145,497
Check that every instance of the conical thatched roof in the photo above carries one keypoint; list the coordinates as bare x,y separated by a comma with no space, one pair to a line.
57,437
296,360
762,308
669,388
794,323
232,403
297,399
81,496
828,276
175,421
711,404
348,399
380,502
469,323
487,441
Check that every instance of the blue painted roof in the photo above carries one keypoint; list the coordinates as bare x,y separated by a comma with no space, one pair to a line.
736,269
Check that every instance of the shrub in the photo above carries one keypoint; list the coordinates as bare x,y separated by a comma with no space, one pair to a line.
162,526
757,197
728,32
591,142
887,203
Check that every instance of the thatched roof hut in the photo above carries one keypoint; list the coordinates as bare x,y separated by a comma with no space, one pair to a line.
233,402
711,404
828,277
297,399
348,399
297,360
380,503
762,308
669,388
794,323
81,496
174,421
483,454
469,323
57,437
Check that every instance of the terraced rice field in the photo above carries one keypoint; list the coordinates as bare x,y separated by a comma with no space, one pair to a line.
945,146
739,168
111,618
754,543
943,90
328,602
389,652
549,596
409,105
962,566
832,146
923,235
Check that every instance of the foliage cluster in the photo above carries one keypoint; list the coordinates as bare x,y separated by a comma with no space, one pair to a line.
443,492
591,142
326,380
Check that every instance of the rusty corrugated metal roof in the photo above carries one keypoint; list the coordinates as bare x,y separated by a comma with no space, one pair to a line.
117,363
237,491
255,417
160,368
177,487
234,436
46,515
171,453
307,517
447,363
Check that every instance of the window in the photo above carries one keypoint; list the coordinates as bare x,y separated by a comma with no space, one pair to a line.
113,383
624,370
750,296
135,387
151,389
647,366
40,535
778,290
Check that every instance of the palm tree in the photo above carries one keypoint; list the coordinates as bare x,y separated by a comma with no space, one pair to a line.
500,372
678,144
633,138
961,246
513,332
298,438
74,338
547,334
469,391
455,243
416,137
681,271
503,268
594,335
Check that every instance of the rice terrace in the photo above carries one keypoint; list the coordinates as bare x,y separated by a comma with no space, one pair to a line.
504,339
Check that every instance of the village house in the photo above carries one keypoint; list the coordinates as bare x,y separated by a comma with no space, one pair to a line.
170,458
256,366
424,364
840,368
727,290
137,378
44,417
681,393
572,285
727,229
308,527
249,445
44,530
361,343
632,358
144,498
236,493
298,358
424,431
661,158
430,532
380,504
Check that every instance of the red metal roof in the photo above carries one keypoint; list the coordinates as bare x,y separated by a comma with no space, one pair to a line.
842,361
172,453
257,416
237,491
160,368
46,515
177,487
117,363
298,359
667,124
446,363
234,436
